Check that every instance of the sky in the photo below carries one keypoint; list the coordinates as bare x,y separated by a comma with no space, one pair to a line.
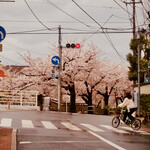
79,20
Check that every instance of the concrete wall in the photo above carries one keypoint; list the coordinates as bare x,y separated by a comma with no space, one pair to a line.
145,89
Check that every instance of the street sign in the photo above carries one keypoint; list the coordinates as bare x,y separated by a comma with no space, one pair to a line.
2,33
55,60
66,88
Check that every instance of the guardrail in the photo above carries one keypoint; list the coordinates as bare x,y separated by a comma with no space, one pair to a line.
17,97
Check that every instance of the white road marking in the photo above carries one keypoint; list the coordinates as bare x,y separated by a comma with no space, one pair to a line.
91,127
27,124
48,125
26,142
70,126
138,131
114,129
45,142
6,122
106,141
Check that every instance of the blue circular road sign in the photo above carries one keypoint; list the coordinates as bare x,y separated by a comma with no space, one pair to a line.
66,88
55,60
2,33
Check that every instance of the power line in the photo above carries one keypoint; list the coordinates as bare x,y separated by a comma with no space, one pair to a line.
9,59
113,32
26,21
87,14
36,16
106,35
122,8
67,13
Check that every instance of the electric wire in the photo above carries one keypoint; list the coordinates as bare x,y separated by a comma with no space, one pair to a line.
129,16
127,32
122,8
106,35
67,13
9,59
36,16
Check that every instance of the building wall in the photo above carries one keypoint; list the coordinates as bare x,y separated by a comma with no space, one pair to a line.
145,89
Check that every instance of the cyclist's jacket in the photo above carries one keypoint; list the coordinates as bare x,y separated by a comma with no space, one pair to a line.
127,103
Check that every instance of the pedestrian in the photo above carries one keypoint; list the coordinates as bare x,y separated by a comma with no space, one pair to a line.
129,104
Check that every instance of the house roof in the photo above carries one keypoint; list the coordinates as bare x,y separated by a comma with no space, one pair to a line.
14,68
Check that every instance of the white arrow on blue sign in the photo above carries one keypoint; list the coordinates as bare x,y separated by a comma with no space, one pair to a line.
2,33
55,60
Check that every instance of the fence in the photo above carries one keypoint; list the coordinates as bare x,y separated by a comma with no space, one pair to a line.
80,107
17,97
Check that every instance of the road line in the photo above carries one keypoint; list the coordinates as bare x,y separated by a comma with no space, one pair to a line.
45,142
114,129
27,124
48,125
13,139
138,131
91,127
70,126
26,142
106,141
6,122
130,129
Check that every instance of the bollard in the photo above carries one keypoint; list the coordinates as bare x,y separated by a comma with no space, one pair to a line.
9,104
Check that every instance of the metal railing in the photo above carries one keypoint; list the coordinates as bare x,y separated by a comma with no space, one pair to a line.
17,97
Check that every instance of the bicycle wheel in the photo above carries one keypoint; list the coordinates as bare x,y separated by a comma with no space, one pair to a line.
115,122
136,124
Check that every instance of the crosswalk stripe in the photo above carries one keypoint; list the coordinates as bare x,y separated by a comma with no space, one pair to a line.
70,126
27,124
6,122
138,131
91,127
48,125
114,129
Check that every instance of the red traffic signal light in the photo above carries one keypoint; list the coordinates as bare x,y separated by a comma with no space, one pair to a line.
77,45
72,45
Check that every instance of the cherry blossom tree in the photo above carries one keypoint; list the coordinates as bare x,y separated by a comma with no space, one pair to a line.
84,71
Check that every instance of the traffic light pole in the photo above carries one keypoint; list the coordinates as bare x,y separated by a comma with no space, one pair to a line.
59,70
139,91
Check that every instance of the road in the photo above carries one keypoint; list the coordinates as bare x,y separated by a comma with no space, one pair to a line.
65,131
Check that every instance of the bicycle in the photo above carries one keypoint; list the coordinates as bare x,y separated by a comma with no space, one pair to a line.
135,124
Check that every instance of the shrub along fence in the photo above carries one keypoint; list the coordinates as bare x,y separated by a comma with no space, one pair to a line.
145,107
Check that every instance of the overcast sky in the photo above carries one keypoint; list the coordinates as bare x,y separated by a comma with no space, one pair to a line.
17,17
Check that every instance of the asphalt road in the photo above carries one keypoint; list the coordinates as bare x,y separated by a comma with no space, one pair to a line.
64,131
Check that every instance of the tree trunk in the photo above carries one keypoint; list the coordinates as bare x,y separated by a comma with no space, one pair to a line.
72,98
106,100
106,97
90,106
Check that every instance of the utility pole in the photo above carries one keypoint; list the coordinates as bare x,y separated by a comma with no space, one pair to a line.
133,21
134,26
139,91
59,70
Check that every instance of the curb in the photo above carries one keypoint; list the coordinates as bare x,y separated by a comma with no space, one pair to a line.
13,139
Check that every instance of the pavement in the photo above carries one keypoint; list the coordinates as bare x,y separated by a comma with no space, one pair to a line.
7,139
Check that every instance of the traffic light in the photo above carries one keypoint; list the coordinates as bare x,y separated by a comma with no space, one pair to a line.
53,73
68,45
146,78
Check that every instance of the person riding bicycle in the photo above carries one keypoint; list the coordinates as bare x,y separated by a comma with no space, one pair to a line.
129,104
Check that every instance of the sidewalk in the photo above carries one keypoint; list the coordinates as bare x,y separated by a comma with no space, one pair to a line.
7,139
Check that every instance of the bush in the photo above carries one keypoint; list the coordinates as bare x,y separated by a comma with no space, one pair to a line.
145,106
106,110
